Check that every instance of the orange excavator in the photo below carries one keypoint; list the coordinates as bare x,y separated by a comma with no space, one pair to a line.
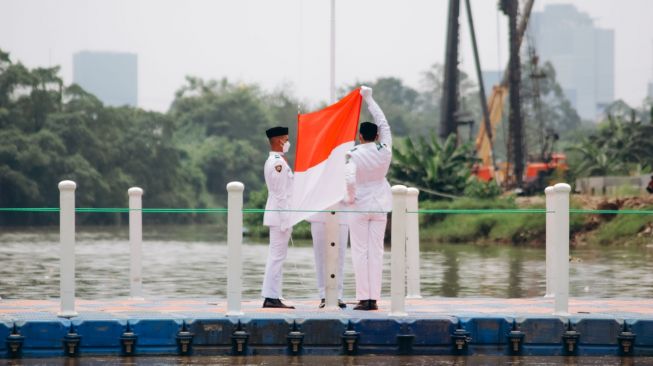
486,170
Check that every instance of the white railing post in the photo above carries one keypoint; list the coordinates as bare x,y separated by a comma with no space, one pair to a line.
234,243
332,227
560,232
135,243
398,252
550,273
412,245
67,248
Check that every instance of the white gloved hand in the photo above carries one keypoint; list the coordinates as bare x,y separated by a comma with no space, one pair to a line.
366,91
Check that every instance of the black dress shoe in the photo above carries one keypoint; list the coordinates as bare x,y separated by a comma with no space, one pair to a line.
341,304
362,305
372,305
275,303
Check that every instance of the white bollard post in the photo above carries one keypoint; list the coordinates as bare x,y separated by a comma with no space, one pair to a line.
67,248
398,252
412,245
560,233
135,243
332,227
234,243
550,273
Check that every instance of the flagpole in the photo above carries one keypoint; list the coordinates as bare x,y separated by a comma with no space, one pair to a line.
332,220
333,52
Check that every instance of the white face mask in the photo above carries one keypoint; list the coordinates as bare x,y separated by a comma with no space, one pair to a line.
286,147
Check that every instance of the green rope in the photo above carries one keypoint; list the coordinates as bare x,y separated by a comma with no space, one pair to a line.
483,211
625,212
29,209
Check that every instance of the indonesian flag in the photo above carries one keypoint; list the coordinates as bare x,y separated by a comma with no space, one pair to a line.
323,139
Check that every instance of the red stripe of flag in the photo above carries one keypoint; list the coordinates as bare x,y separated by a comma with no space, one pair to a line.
320,132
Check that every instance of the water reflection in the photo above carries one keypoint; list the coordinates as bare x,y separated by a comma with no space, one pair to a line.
515,269
450,284
175,266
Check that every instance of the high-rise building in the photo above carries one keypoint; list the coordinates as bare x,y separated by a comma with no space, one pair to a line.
581,53
110,76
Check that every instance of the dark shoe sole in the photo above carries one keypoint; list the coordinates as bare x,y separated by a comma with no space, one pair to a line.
278,307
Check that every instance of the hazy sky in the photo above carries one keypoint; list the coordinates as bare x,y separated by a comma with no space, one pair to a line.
286,42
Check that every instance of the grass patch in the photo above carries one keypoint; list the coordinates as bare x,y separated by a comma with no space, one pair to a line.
621,229
514,228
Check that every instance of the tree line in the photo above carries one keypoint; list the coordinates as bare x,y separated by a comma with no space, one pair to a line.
212,133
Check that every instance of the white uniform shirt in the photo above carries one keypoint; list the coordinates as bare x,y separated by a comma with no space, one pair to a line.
279,179
367,166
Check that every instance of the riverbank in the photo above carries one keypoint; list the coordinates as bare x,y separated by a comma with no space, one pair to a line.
526,229
529,228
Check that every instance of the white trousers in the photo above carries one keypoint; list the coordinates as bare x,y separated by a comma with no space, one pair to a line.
366,232
320,245
274,266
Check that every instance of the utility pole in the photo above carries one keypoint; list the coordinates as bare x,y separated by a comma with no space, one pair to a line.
449,106
481,87
332,63
515,126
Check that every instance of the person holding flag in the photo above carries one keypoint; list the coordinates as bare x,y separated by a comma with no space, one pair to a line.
323,139
368,191
279,180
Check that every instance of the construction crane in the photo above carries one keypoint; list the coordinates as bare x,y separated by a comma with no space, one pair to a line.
489,170
502,173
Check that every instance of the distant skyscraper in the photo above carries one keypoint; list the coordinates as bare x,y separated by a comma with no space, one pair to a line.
110,76
582,54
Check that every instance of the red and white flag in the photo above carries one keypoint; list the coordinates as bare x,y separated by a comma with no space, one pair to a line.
323,139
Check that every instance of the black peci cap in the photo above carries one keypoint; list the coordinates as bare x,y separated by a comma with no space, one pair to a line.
276,131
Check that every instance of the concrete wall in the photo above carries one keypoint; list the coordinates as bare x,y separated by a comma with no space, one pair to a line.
608,185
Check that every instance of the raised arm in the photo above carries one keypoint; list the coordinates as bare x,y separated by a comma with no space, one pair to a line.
385,136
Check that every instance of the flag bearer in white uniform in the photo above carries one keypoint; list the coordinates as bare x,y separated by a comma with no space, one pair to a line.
279,179
318,233
369,190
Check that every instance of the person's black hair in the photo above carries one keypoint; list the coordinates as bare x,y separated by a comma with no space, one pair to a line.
368,130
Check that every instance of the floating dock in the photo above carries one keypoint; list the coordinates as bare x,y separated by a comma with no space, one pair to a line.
433,326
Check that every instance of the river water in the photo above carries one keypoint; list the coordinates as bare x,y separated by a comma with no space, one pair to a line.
190,261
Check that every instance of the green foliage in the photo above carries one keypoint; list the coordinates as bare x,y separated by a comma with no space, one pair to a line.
526,228
622,228
484,190
620,145
404,107
468,227
432,166
254,221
